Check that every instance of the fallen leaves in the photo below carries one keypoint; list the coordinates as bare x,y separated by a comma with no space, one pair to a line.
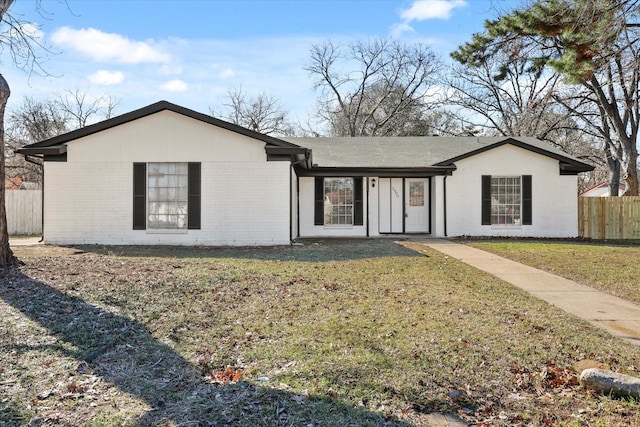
556,377
227,376
49,362
74,387
546,378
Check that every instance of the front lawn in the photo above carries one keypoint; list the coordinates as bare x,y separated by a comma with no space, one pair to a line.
333,333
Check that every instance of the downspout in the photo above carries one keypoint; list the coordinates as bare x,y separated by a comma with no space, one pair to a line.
298,204
297,199
41,165
430,205
444,201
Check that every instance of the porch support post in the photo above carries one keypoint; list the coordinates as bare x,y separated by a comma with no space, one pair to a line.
438,212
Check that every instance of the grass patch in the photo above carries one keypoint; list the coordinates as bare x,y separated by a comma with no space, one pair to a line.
332,333
612,268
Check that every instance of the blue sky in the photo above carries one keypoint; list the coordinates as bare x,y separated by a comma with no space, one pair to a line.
192,52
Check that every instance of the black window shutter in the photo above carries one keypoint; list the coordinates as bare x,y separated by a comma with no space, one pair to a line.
319,201
486,199
139,196
358,217
527,212
194,190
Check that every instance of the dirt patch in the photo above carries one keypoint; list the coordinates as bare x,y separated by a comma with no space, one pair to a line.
306,250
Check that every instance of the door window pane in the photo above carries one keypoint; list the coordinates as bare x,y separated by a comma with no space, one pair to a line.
416,194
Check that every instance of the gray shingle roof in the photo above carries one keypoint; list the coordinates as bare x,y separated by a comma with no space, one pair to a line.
410,152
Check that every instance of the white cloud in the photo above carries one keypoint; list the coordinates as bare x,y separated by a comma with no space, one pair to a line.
104,77
398,29
432,9
422,10
103,46
175,86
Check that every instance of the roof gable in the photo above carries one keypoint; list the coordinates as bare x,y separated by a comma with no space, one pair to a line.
568,163
55,145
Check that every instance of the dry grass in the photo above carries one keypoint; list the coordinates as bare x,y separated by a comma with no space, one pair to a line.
612,268
333,333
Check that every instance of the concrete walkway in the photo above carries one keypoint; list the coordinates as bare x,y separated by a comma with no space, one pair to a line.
24,241
621,318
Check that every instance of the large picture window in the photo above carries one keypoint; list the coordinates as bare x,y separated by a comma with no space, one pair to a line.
166,196
506,200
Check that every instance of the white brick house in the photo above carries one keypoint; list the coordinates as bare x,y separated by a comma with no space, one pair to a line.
167,175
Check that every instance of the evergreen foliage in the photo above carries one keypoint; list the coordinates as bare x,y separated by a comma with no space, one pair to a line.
575,36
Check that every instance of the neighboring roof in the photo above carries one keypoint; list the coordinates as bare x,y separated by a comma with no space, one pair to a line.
418,152
602,190
55,145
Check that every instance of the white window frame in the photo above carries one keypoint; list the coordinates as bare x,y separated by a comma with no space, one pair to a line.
506,201
167,197
339,207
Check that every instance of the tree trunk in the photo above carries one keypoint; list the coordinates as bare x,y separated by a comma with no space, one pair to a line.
6,254
614,173
631,170
632,179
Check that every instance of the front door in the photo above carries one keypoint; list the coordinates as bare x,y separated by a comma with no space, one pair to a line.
416,202
390,212
403,205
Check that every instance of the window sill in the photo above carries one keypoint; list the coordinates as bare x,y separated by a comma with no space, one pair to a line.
168,231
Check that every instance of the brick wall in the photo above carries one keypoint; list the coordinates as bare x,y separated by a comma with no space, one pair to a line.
89,198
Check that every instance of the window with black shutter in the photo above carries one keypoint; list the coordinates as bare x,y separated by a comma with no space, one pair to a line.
338,201
506,200
166,196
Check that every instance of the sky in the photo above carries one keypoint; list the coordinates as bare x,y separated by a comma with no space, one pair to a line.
193,52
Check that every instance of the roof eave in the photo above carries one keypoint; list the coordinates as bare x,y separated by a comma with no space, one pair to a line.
390,172
294,154
574,169
55,150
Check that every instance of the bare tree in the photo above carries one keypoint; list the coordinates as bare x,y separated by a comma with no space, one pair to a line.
262,113
36,120
79,107
21,44
30,122
508,97
372,88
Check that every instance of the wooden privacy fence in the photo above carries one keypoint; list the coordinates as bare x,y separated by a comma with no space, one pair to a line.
24,212
609,217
